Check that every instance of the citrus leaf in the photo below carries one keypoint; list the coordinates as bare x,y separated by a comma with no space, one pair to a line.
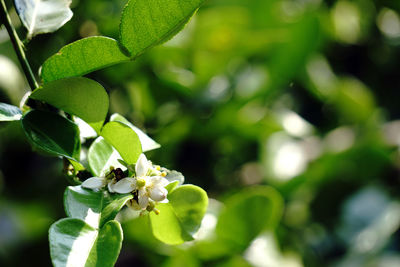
147,143
102,156
74,243
183,214
84,204
82,57
146,23
41,16
52,133
78,96
94,208
9,112
123,139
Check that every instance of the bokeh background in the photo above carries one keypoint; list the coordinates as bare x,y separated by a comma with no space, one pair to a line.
299,95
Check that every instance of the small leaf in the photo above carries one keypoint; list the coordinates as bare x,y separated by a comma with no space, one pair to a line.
52,133
151,22
123,139
252,210
9,112
183,214
82,57
147,143
74,243
41,16
102,156
78,96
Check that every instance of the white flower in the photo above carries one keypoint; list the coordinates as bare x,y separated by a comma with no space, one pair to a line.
149,187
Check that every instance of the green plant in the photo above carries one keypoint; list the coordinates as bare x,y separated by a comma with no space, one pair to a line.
117,172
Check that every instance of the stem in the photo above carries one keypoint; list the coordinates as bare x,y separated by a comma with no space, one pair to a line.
18,46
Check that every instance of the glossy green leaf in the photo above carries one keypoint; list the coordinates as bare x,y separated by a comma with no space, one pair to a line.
112,204
183,214
78,96
84,204
95,208
42,16
107,247
52,133
123,139
152,22
9,112
147,143
101,156
174,234
82,57
247,214
74,243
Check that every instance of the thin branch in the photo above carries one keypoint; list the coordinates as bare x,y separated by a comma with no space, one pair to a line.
18,46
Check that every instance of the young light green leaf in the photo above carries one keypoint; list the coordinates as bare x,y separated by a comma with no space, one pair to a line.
9,112
123,139
43,16
74,243
183,214
78,96
190,204
147,143
52,133
146,23
82,57
94,208
102,156
252,210
174,234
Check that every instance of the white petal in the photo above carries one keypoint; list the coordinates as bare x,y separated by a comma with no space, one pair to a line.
124,186
158,181
158,193
110,186
94,183
142,166
143,199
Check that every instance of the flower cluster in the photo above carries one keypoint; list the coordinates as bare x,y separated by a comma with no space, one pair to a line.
147,184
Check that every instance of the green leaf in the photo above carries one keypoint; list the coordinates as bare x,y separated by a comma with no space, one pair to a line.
9,112
83,204
123,139
101,156
112,204
52,133
247,214
108,245
183,214
42,16
74,243
147,143
95,208
82,57
78,96
146,23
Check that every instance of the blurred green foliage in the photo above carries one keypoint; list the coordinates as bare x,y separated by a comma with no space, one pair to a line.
299,96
